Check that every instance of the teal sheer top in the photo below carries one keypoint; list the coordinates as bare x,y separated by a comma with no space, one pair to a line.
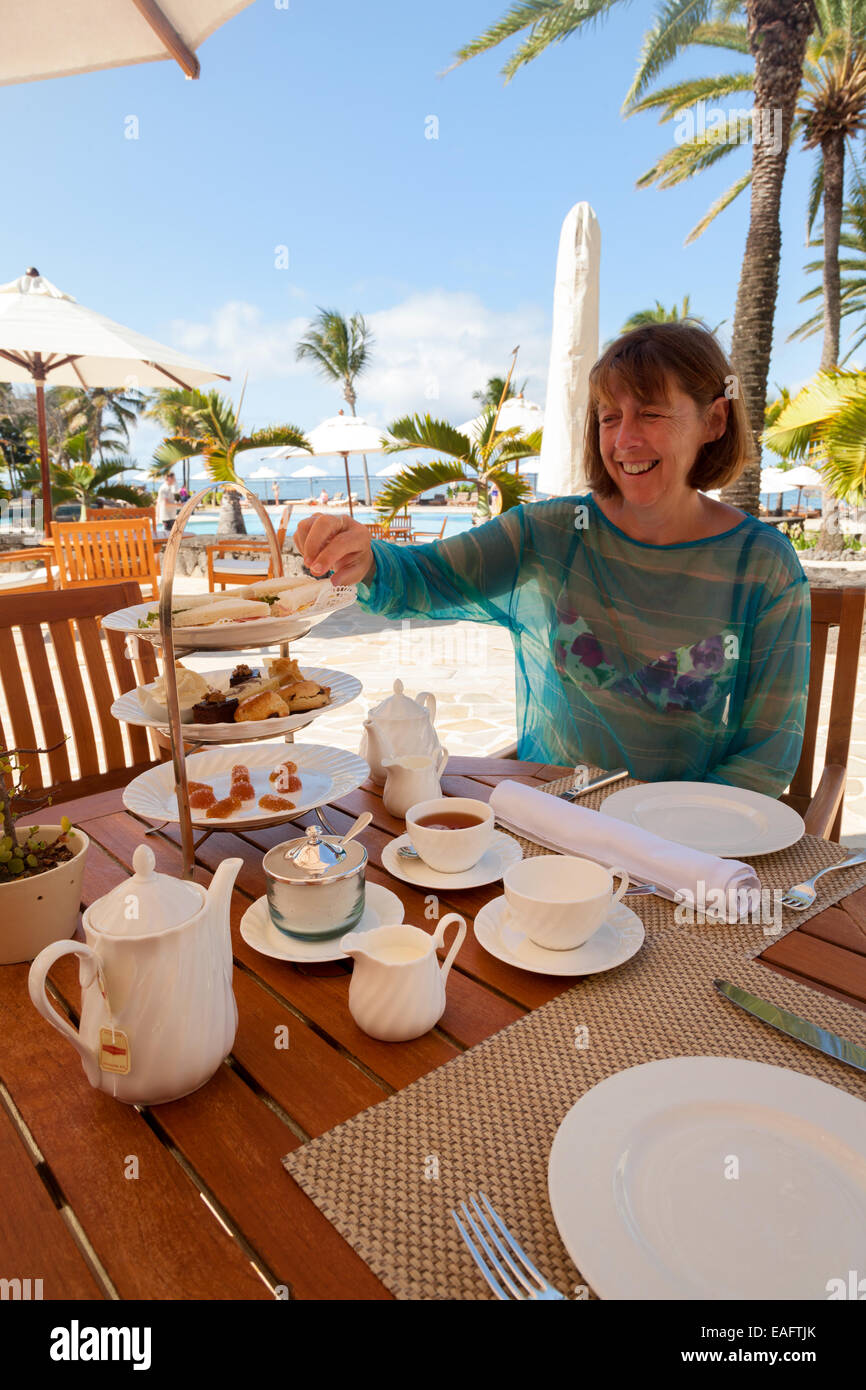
683,662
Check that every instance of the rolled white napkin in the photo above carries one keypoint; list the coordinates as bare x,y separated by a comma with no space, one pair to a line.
724,890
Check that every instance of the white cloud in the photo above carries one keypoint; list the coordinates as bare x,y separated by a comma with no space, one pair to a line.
430,352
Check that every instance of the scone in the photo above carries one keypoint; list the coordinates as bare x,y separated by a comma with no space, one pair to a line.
266,706
304,695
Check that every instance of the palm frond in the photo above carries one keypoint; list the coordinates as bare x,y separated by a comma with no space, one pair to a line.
671,31
801,423
423,432
173,450
844,441
548,21
683,161
515,490
677,98
274,437
816,196
399,491
722,34
719,205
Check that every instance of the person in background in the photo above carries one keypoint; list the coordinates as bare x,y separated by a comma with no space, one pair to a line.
166,503
653,627
323,498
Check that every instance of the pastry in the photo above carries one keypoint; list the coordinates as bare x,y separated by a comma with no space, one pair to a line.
285,669
270,802
215,708
304,695
283,770
266,706
222,809
242,674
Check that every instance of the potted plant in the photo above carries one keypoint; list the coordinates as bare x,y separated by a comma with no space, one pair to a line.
41,869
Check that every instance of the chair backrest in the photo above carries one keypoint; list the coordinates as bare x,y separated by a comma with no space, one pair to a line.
400,526
56,664
378,532
284,524
105,551
120,513
842,609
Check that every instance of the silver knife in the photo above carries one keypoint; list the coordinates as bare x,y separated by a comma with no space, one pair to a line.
799,1028
571,793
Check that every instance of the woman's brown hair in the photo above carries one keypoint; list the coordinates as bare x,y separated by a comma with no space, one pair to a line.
643,363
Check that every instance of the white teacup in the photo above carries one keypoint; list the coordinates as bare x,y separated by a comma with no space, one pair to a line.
450,851
558,900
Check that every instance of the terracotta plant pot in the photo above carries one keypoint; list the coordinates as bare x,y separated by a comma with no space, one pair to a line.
36,911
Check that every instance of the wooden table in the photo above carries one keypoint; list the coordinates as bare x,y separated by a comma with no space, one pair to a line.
72,1210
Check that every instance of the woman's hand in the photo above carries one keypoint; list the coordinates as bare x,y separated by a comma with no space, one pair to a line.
336,543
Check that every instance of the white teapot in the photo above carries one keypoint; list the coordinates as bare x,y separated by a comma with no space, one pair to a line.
399,726
158,1014
398,987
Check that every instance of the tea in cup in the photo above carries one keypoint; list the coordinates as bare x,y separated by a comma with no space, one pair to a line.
560,901
451,833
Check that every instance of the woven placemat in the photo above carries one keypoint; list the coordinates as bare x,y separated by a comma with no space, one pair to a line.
769,921
388,1178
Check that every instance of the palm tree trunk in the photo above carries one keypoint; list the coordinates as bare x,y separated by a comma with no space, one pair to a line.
231,518
778,33
831,542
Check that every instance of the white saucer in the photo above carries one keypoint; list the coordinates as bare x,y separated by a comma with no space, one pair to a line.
503,852
619,937
381,908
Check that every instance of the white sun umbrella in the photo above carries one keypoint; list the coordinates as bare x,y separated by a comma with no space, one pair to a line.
803,477
44,39
340,434
264,472
310,471
573,350
45,335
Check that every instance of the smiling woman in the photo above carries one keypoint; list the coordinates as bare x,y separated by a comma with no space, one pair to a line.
653,627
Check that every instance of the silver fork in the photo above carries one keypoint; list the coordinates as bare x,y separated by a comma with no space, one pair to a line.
515,1281
802,895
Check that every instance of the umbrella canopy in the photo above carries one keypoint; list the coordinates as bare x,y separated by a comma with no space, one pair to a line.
46,335
773,480
339,434
573,350
44,39
264,472
310,471
520,414
803,476
392,469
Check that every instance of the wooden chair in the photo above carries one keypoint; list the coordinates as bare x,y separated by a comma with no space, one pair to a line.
420,537
103,552
43,555
821,808
120,513
66,627
232,571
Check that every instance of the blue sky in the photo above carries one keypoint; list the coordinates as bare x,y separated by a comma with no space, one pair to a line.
307,131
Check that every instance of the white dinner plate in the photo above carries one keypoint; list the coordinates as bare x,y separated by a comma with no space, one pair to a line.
255,632
344,688
503,852
619,937
711,1178
728,821
382,908
325,774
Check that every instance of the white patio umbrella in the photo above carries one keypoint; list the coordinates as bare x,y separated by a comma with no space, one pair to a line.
43,39
199,477
344,435
803,477
310,471
46,335
264,472
391,469
573,350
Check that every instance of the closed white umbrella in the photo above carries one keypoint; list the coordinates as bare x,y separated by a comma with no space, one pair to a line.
340,434
573,350
42,38
46,336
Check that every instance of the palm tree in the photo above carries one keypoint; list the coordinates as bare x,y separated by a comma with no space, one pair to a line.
826,424
104,415
175,410
85,481
340,348
775,33
852,282
213,431
493,392
658,315
480,462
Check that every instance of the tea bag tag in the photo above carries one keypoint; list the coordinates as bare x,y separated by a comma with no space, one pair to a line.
113,1042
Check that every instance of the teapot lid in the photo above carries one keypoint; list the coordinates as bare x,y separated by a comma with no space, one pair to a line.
399,706
146,902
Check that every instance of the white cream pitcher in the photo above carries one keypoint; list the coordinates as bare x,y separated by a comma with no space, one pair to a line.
158,1013
398,987
412,779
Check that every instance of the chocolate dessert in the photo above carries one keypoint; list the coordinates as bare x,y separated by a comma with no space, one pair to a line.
215,708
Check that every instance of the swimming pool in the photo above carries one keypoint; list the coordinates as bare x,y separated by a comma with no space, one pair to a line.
427,519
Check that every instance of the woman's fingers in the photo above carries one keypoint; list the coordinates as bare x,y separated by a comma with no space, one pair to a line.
335,544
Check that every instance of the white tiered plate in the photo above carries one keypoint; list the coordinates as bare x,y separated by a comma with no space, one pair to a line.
325,774
344,689
258,632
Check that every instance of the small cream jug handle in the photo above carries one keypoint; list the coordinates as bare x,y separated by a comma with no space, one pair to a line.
439,940
36,984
